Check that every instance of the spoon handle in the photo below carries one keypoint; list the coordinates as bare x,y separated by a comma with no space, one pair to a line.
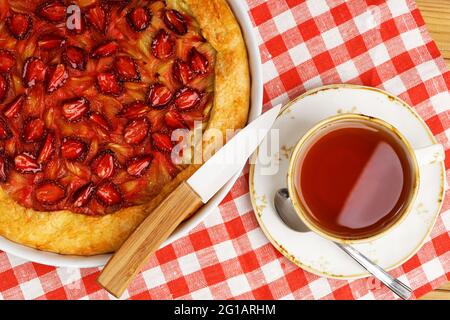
398,287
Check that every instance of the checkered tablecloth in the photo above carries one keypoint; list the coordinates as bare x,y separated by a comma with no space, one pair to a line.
303,44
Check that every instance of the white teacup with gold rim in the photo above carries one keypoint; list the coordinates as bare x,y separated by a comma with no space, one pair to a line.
352,178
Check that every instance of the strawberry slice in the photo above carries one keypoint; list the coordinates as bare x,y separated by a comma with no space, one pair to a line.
182,71
52,11
4,86
56,77
134,110
136,131
13,109
108,83
191,117
83,195
5,132
175,21
186,99
4,168
174,120
50,41
73,149
49,193
34,72
19,25
108,194
7,61
126,69
104,164
163,45
99,120
165,164
75,57
159,96
75,109
198,61
33,130
105,50
26,163
97,17
139,18
47,149
162,142
138,165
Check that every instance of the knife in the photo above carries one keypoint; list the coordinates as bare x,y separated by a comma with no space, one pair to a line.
185,200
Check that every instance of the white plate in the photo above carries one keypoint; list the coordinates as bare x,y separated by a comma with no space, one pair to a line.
57,260
310,251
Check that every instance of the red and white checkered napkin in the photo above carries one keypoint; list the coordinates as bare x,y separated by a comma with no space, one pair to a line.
304,44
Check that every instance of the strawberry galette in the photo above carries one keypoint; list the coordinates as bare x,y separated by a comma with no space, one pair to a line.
90,93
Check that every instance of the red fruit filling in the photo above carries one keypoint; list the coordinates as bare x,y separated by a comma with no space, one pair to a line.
134,110
162,142
126,69
186,99
159,96
75,109
104,165
13,109
75,58
53,11
100,121
26,163
19,25
198,62
163,45
50,41
105,50
7,61
73,149
108,83
182,72
175,21
33,130
4,168
4,86
139,18
47,150
97,17
5,132
56,77
137,166
83,195
108,194
79,131
174,120
34,71
49,193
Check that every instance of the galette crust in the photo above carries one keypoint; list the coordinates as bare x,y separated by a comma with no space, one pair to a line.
65,232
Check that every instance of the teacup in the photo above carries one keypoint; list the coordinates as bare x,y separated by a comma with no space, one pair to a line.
352,177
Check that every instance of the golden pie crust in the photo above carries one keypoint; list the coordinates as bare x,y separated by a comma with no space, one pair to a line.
66,232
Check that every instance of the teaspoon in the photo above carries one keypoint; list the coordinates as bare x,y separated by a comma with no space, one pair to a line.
286,211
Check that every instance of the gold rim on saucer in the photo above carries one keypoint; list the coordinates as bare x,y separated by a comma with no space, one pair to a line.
291,257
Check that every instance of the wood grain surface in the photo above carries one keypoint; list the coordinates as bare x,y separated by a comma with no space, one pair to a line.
437,17
147,238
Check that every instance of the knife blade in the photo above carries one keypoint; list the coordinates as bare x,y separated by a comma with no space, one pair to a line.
185,200
231,158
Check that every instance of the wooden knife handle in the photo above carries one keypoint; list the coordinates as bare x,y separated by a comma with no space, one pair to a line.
147,238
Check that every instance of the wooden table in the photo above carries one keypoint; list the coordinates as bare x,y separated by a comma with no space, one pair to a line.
437,16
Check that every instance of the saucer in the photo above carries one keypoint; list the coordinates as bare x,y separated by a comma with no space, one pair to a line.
310,251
